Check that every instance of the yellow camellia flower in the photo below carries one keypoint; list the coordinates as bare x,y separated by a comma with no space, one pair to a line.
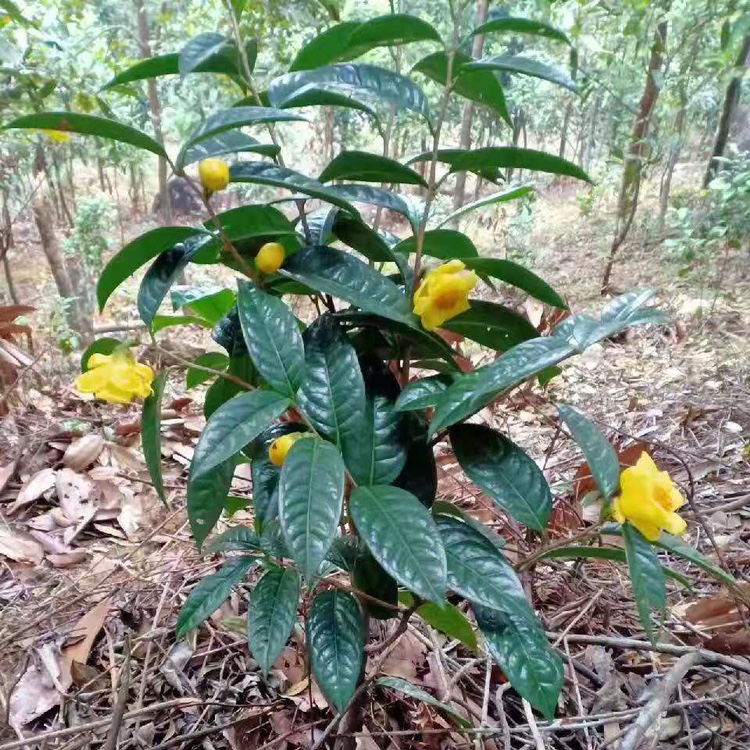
648,500
214,174
444,293
281,446
117,377
270,257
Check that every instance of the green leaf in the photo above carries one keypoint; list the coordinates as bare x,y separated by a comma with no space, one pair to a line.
392,29
336,644
646,576
521,649
400,533
271,613
104,345
365,167
422,394
482,87
445,244
473,391
492,325
361,79
236,539
599,452
396,683
501,197
211,593
516,25
199,49
253,225
71,122
214,360
335,272
151,433
368,576
448,619
357,235
377,196
325,48
518,276
211,304
234,425
333,393
504,472
160,322
231,142
478,570
136,254
503,157
328,95
262,173
679,547
205,498
522,65
273,339
311,492
163,273
419,475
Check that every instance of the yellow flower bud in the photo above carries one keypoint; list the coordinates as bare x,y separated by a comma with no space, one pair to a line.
281,446
648,500
270,257
214,174
117,377
444,293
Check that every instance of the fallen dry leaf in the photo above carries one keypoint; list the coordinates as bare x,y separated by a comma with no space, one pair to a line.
34,695
82,453
84,633
130,517
406,658
33,489
19,547
74,491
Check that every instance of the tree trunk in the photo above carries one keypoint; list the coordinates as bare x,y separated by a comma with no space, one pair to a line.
155,107
569,107
674,155
6,243
731,98
468,116
637,152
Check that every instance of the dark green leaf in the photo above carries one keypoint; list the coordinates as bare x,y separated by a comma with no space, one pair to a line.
151,433
104,345
599,452
71,122
445,244
419,475
210,304
377,196
679,547
507,475
271,614
501,197
422,393
447,619
325,48
336,644
273,339
492,325
199,49
205,498
236,539
392,29
523,65
248,227
211,593
136,254
233,425
646,576
396,683
365,167
214,360
368,576
517,25
160,322
311,492
231,142
402,537
328,95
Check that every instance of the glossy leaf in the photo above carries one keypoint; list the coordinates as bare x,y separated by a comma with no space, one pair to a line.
368,576
271,613
210,304
678,546
488,200
419,475
211,593
235,539
492,325
518,276
422,393
336,644
329,95
520,648
507,475
325,48
273,339
599,452
151,433
205,498
522,65
646,577
392,29
234,425
71,122
252,225
333,392
402,686
365,167
160,322
377,196
339,274
230,142
199,49
402,537
311,492
445,244
517,25
136,254
448,619
103,345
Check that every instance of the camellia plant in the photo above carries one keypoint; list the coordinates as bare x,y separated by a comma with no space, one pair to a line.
339,411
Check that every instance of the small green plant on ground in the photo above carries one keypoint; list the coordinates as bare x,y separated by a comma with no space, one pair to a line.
339,416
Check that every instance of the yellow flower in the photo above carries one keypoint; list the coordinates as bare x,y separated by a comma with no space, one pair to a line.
214,174
117,377
444,293
281,446
648,500
270,257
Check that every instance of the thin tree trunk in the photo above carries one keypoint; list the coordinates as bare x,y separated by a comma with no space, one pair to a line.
155,107
637,152
477,44
674,155
6,243
569,106
731,98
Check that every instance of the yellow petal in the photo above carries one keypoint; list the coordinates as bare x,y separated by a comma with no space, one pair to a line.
675,524
646,464
92,380
97,360
649,531
617,514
